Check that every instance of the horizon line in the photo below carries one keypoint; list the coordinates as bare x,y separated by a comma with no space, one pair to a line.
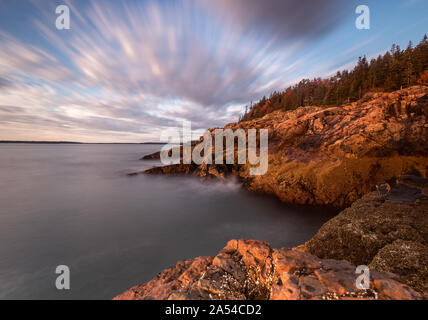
74,142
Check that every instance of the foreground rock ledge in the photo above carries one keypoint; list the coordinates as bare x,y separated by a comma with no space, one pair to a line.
251,269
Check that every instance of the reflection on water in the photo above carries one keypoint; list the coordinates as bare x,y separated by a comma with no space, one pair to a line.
75,205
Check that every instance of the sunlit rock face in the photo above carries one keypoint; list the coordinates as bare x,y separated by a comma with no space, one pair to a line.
250,269
334,155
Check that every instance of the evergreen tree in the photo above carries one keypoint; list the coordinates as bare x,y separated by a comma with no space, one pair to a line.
394,70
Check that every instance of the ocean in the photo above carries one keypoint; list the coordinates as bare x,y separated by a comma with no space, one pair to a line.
75,205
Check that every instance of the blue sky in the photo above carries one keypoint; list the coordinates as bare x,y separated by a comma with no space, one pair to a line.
127,70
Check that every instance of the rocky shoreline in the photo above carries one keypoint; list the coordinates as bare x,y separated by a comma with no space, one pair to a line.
384,231
326,156
253,270
332,155
388,236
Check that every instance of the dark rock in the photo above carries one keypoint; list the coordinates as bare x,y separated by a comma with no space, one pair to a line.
413,181
407,259
403,193
388,235
152,156
383,188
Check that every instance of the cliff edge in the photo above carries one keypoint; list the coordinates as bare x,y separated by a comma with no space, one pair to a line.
334,155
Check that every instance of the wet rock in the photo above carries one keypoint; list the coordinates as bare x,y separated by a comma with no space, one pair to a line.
151,156
413,181
403,193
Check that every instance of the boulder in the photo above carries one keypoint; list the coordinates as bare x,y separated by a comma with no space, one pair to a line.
386,231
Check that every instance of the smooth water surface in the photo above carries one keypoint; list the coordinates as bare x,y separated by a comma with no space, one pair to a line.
74,205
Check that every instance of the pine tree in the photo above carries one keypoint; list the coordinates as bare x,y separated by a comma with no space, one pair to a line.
395,69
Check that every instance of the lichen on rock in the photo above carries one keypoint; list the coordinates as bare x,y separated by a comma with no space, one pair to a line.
250,269
386,233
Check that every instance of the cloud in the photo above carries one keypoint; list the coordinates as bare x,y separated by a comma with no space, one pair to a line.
5,83
285,20
131,69
17,57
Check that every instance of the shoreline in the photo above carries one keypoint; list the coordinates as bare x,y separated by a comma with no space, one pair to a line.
252,269
331,155
327,156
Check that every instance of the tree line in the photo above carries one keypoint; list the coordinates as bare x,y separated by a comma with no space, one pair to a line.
394,70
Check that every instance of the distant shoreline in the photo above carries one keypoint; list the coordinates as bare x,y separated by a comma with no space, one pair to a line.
74,142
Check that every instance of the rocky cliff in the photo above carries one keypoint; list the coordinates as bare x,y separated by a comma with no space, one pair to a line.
330,156
333,156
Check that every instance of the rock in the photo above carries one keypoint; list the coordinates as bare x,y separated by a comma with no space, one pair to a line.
413,181
250,269
383,188
152,156
388,232
335,155
170,280
172,169
286,287
407,259
338,281
156,155
391,289
403,193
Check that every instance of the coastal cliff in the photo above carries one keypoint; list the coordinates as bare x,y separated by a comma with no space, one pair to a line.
333,155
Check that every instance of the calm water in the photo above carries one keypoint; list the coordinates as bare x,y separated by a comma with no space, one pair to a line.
74,205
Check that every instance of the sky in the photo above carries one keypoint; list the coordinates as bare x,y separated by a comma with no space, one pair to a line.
126,71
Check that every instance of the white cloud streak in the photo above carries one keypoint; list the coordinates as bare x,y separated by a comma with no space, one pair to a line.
124,72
